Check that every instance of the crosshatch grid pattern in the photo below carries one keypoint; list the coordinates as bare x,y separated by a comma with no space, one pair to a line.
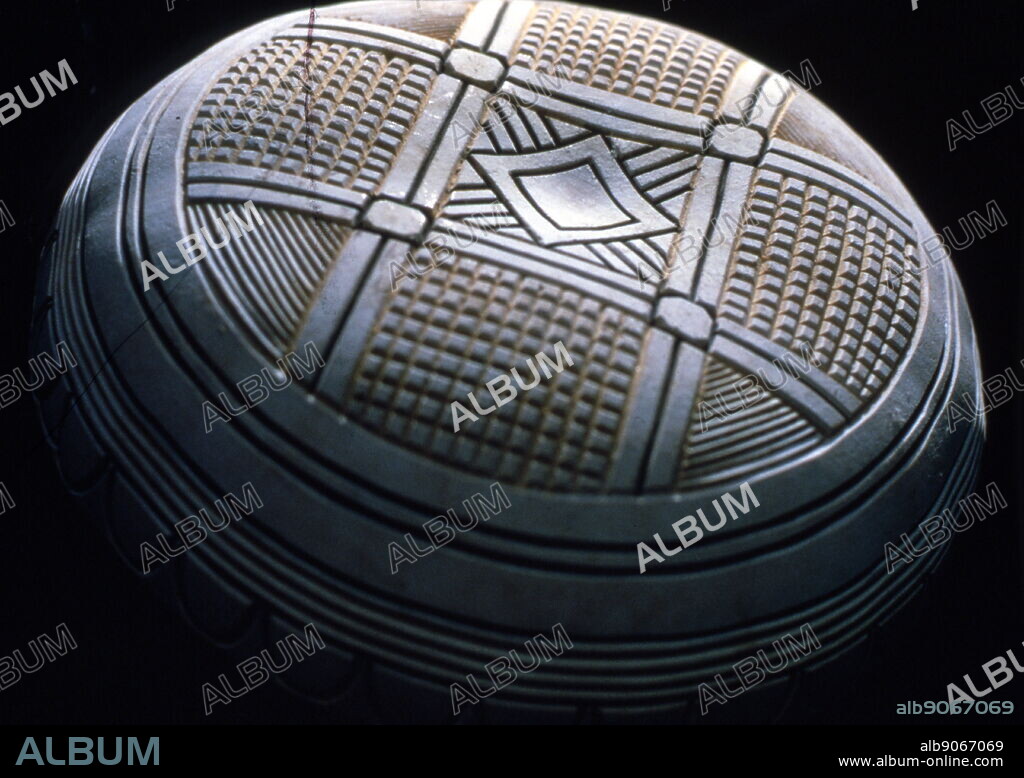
467,323
635,57
361,108
808,269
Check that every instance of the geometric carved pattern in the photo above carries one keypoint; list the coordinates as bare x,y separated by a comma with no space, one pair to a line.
808,270
756,432
270,286
466,323
572,194
645,184
571,199
566,204
617,434
361,105
626,55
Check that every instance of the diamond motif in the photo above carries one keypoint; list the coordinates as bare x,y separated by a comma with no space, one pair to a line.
573,194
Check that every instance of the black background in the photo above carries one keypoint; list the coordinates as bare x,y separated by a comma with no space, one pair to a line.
895,75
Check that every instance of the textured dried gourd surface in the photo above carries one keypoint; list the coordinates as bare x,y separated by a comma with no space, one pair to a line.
568,213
